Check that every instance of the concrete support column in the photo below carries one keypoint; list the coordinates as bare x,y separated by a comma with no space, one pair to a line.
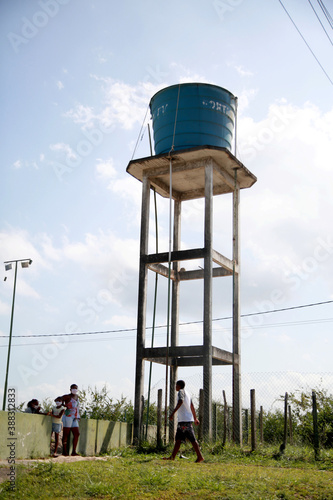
208,288
175,315
142,303
236,368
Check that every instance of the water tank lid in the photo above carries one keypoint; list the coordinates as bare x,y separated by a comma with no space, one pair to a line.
193,84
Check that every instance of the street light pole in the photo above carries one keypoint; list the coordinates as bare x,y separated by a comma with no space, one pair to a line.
24,263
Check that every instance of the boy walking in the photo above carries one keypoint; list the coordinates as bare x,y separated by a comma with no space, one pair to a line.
186,415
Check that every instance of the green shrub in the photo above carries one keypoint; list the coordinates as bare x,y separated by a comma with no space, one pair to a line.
273,427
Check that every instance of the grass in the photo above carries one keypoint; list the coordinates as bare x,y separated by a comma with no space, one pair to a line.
142,474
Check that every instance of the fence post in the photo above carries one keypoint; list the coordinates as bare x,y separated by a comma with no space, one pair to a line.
141,417
285,430
291,437
315,425
246,426
229,415
214,421
261,420
159,418
253,420
201,413
225,419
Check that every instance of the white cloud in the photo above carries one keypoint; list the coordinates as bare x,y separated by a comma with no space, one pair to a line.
25,289
284,339
50,252
95,253
285,215
83,115
244,99
187,75
122,321
17,164
60,85
129,190
243,72
18,244
61,147
4,308
124,105
105,169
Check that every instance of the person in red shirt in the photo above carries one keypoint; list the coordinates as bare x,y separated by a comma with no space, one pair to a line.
70,420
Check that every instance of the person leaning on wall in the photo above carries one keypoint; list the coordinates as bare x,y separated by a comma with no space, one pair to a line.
70,420
34,407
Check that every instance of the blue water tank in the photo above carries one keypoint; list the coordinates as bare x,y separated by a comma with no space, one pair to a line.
192,114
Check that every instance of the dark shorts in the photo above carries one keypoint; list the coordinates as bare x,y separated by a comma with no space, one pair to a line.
185,431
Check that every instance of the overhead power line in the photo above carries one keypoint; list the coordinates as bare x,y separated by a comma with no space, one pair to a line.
123,330
326,13
306,43
218,331
314,10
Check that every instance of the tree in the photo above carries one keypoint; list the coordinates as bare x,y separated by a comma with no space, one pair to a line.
301,403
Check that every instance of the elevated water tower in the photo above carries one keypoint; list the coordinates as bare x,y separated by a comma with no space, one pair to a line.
193,126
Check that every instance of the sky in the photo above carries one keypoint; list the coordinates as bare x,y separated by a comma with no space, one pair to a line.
77,78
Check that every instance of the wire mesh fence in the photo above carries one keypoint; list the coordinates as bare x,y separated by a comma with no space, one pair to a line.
270,387
270,390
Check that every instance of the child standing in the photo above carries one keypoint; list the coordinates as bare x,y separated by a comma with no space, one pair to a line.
57,413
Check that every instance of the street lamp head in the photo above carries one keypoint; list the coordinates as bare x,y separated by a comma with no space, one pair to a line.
26,263
8,266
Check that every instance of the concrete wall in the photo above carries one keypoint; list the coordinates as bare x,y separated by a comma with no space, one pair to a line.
33,432
31,435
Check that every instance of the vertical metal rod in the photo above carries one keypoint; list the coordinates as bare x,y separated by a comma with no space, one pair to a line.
155,297
174,337
9,343
168,306
236,109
